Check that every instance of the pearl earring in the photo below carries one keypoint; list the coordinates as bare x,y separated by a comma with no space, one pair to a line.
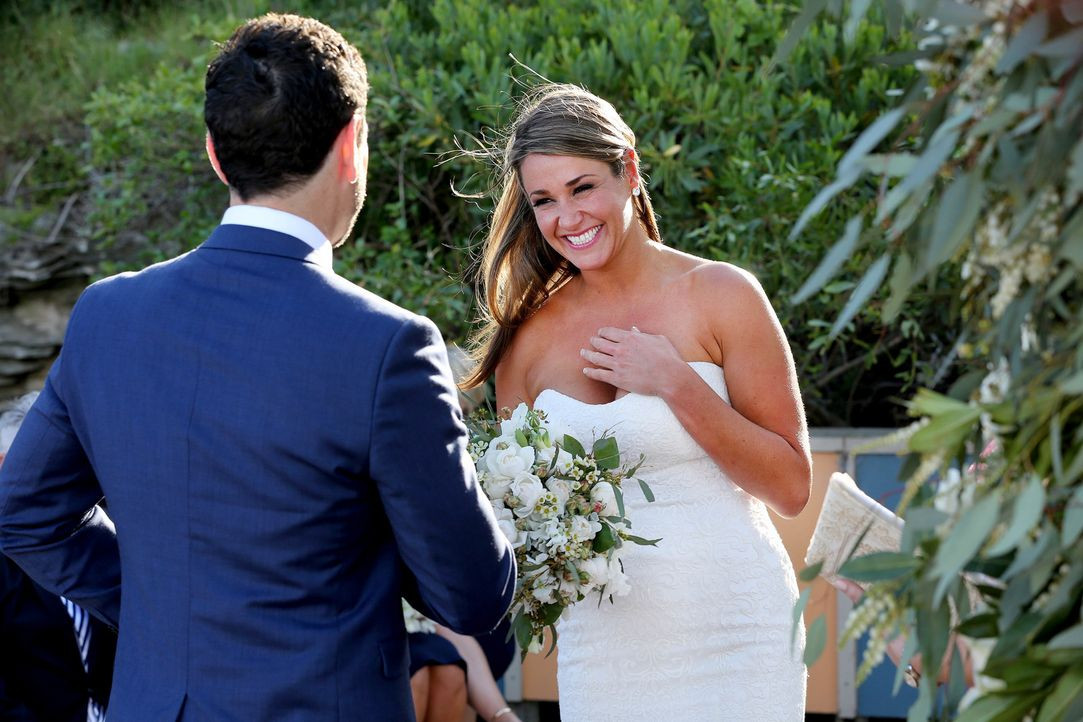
635,191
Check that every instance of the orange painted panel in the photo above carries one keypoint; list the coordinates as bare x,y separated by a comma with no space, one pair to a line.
540,676
822,694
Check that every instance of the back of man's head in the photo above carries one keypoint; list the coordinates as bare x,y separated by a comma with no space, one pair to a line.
277,95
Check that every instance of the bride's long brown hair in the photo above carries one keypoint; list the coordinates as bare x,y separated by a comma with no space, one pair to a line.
519,270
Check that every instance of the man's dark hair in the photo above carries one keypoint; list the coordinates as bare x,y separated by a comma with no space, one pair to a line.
277,95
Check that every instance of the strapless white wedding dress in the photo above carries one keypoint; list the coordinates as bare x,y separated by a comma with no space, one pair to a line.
705,633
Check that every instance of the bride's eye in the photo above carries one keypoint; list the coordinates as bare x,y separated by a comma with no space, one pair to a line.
540,202
584,187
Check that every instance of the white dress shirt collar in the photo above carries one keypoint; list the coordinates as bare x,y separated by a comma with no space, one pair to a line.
272,219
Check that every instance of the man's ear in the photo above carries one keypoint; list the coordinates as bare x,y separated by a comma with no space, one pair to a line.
351,150
214,160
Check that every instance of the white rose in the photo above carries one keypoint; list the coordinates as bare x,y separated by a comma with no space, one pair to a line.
583,529
564,459
495,486
618,581
544,456
597,571
569,589
544,588
517,421
505,458
505,520
562,488
528,489
603,494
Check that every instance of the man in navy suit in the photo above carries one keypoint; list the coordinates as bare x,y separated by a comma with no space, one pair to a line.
282,452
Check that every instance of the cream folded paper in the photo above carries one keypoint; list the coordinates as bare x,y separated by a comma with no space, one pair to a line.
841,529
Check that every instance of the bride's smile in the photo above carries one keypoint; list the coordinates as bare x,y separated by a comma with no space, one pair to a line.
583,240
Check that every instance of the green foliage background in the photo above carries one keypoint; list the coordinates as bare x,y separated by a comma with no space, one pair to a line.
733,153
981,170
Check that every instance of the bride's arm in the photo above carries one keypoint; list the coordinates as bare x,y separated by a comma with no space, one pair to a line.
760,439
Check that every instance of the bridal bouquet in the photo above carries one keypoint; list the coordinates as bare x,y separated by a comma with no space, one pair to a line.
561,507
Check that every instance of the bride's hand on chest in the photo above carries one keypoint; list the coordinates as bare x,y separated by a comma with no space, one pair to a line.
633,361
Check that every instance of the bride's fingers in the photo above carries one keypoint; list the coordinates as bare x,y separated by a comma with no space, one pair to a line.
595,357
611,333
604,345
603,375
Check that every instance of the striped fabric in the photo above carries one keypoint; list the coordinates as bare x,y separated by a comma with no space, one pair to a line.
81,620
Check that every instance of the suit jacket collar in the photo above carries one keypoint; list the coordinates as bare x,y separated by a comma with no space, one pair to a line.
249,239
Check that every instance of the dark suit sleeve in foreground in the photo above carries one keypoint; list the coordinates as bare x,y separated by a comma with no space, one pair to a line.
447,535
50,524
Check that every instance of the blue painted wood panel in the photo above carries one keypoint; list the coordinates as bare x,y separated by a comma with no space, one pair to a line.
878,476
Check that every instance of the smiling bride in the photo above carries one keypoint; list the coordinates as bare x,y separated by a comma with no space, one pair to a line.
588,317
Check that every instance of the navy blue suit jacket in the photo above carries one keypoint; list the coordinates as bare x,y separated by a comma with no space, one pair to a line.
283,455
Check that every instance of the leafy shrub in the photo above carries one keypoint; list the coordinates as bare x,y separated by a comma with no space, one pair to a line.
982,175
733,155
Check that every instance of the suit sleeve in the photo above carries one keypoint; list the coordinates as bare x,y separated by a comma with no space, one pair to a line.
444,526
50,521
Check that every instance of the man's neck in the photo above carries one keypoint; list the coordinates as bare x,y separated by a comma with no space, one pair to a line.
300,203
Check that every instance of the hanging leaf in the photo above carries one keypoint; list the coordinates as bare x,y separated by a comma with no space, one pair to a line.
816,640
869,139
964,541
893,165
1055,446
817,204
811,572
832,262
1064,46
879,566
950,12
924,169
1025,42
959,208
1000,708
1073,518
869,284
929,403
1075,169
947,430
899,286
1026,514
1068,639
801,24
858,9
1067,691
798,611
